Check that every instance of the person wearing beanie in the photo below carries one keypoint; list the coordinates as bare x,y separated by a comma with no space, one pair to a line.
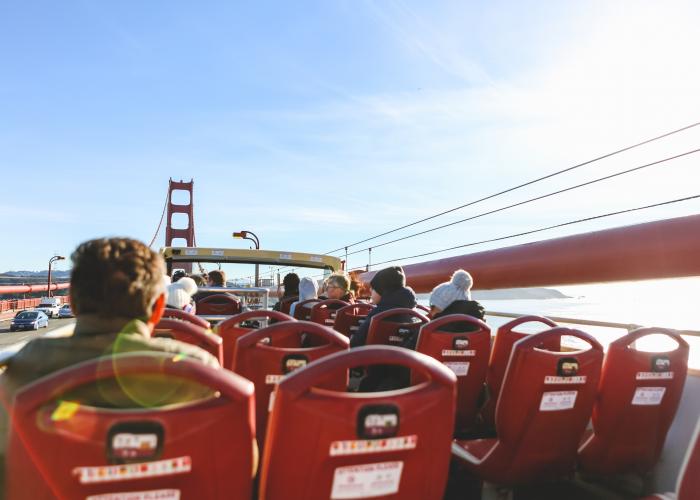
454,297
291,289
307,291
389,291
180,294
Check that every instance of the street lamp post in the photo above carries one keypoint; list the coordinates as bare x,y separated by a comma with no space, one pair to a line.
51,261
247,235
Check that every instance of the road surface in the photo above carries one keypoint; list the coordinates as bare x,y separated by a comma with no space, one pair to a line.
8,338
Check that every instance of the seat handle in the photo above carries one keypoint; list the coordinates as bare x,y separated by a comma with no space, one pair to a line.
236,320
635,335
228,384
315,329
316,372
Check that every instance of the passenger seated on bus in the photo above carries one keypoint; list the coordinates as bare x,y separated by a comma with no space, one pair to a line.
291,289
178,275
198,280
454,297
215,278
118,295
338,288
389,291
180,295
308,290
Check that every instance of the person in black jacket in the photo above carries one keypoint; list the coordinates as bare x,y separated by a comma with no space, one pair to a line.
389,291
454,297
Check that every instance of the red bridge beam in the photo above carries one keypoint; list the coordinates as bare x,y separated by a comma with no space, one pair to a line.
662,249
31,288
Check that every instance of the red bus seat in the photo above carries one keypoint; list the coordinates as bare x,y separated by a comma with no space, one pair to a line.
500,354
62,449
637,400
688,483
264,356
324,312
286,304
185,316
302,311
349,318
395,326
190,334
236,326
463,344
421,307
219,304
327,444
544,406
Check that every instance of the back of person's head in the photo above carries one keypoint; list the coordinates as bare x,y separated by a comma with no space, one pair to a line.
291,284
198,280
217,278
178,275
180,293
388,280
458,288
307,289
116,277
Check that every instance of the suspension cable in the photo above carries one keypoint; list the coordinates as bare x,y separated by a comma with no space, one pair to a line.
519,186
162,216
533,231
524,202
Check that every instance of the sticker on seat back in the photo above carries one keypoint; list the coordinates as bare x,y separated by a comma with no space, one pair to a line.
558,400
654,375
139,495
112,473
364,446
458,353
366,481
648,396
459,369
579,379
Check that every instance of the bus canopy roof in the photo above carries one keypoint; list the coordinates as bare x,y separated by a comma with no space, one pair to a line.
271,257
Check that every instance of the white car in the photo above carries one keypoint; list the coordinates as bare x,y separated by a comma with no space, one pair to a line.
65,311
49,306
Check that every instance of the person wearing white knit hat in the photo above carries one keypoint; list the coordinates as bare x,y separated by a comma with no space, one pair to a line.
454,297
180,294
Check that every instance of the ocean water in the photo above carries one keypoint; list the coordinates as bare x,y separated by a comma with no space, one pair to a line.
671,303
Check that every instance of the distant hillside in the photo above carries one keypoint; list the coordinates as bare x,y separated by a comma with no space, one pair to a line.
36,274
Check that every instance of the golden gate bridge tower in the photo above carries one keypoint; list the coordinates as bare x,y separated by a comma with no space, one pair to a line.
186,233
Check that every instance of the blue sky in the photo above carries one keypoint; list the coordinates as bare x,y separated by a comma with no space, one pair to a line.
317,124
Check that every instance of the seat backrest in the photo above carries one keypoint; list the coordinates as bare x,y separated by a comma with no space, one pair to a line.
463,344
395,326
364,444
324,312
545,403
218,304
236,326
286,303
349,318
265,356
62,449
637,400
302,310
190,334
185,316
500,354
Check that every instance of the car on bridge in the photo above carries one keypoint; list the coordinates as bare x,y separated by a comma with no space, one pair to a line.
65,311
29,320
49,306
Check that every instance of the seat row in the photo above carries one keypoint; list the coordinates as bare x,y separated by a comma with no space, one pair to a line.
288,392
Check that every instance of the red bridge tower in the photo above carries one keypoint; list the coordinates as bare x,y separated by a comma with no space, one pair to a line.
186,233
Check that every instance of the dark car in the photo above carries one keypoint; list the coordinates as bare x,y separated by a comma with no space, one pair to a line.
29,320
